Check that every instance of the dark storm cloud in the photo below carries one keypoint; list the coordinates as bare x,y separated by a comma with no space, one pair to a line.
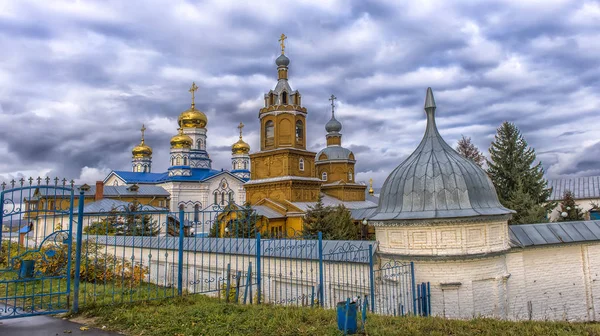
79,79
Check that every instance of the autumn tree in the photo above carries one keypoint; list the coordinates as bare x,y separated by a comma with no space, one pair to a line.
468,149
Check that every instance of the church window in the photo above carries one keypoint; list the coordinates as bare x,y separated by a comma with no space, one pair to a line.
145,169
178,161
181,207
116,183
299,131
196,213
284,97
269,131
185,161
324,176
215,200
223,197
245,165
231,197
350,176
301,165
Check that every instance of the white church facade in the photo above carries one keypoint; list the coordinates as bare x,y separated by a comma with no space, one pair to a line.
190,179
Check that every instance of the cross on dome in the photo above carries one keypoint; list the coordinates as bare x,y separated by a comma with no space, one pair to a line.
282,43
193,90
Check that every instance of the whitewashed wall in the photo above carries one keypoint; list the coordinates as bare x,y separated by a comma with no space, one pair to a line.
584,204
560,282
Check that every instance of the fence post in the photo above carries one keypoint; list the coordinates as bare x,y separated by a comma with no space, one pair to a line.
321,282
78,239
1,216
180,256
372,278
258,275
414,287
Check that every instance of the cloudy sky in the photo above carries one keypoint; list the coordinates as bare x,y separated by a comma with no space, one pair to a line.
78,78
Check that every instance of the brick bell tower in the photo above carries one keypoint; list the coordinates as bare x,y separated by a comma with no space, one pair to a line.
283,169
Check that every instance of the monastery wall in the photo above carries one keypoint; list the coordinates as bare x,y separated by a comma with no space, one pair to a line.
560,282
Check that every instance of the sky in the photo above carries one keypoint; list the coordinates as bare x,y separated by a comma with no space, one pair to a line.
78,78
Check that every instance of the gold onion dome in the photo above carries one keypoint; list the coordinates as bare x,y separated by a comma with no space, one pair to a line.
240,147
181,140
142,150
192,117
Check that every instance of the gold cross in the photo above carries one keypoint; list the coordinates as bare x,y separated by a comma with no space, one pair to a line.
282,44
193,90
333,98
143,130
240,126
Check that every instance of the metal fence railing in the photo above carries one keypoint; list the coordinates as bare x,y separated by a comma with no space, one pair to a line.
127,252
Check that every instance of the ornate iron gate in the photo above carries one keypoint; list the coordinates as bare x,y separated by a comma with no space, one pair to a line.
35,247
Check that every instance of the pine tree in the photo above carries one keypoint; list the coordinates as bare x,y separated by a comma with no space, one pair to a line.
468,149
569,210
514,174
241,222
335,223
314,219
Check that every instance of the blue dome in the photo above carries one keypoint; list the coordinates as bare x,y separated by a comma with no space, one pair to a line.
282,60
333,125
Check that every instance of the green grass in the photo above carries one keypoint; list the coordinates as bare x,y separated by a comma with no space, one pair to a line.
201,315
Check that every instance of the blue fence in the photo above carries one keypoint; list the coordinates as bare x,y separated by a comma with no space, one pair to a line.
127,252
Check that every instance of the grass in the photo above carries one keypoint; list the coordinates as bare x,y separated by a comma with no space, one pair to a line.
202,315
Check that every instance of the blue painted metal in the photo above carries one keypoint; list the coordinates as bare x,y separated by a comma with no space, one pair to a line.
29,288
414,286
346,316
78,240
371,278
180,251
258,270
321,274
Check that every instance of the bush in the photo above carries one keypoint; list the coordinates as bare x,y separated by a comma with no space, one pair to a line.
96,266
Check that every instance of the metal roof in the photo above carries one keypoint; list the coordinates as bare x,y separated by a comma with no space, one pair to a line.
106,205
363,213
334,153
332,201
266,211
581,187
333,250
436,182
112,191
198,174
553,233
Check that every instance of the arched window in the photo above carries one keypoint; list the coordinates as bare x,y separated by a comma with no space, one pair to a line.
269,131
185,161
223,197
301,164
116,183
181,207
178,161
299,131
215,200
197,213
324,176
231,197
350,175
172,161
245,165
284,97
145,169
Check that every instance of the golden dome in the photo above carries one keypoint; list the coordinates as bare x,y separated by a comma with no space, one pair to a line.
240,147
192,118
181,140
142,150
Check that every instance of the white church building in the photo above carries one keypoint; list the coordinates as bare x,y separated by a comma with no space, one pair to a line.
190,179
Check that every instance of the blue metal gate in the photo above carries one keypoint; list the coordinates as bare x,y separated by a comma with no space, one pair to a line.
35,247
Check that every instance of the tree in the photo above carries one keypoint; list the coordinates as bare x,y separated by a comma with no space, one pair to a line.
314,219
467,149
514,174
238,222
569,210
335,223
137,223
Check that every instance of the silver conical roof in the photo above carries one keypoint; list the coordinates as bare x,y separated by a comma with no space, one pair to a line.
436,182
